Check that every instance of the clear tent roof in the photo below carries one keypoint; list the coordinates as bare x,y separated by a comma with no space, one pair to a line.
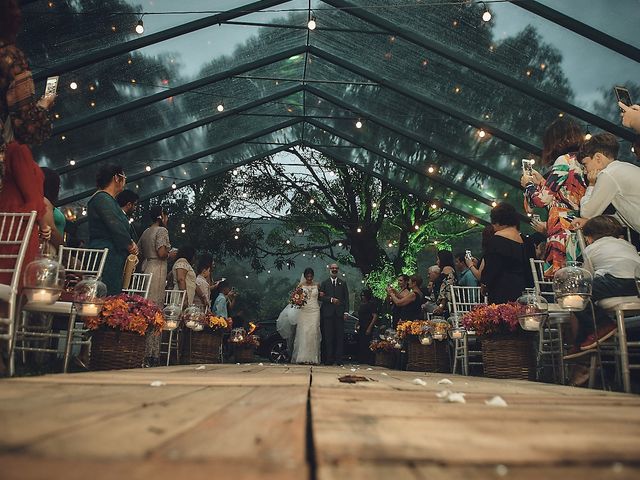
449,103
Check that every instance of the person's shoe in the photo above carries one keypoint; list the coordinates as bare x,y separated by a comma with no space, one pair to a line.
580,376
77,361
147,362
575,352
602,333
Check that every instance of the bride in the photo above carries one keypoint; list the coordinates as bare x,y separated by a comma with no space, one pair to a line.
306,320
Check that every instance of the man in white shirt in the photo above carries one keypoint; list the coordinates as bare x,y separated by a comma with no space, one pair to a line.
611,182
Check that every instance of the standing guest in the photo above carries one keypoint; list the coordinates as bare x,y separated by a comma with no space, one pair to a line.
20,177
334,295
506,269
611,182
154,250
367,318
184,276
403,289
433,289
220,305
412,302
202,297
465,276
128,200
476,265
561,192
109,227
55,217
630,116
448,278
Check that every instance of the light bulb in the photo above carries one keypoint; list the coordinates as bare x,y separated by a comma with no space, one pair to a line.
238,229
472,221
358,124
486,16
312,201
288,242
588,136
235,237
417,227
73,85
494,204
340,244
374,204
131,220
220,107
174,186
359,230
140,27
299,230
183,230
72,162
84,212
311,25
148,168
482,133
182,225
434,206
431,169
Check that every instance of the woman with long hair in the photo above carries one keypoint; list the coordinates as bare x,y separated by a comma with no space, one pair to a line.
560,192
448,277
412,301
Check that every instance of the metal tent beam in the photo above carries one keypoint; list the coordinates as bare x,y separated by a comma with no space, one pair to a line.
146,40
176,131
580,28
395,183
480,67
392,158
413,136
424,100
189,158
170,92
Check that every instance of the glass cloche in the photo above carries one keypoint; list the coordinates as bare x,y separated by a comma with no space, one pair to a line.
534,310
88,296
426,337
193,317
237,335
171,314
43,279
440,328
572,287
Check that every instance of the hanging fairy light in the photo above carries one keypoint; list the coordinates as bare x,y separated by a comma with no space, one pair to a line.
73,85
482,133
174,186
311,24
148,168
486,15
220,107
238,229
359,124
140,27
434,206
588,135
72,162
494,204
359,230
300,230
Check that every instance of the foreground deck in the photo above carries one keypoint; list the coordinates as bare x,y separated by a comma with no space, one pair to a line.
296,422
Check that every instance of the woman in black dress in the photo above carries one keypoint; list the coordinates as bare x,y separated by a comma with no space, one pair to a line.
367,318
506,270
412,301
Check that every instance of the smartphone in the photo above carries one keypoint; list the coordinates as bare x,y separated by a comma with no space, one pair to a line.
467,254
527,166
623,96
52,86
535,218
222,279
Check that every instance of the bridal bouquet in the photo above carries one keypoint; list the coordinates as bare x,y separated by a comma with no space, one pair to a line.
298,298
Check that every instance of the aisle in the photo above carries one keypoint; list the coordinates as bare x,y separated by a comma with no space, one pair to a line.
251,421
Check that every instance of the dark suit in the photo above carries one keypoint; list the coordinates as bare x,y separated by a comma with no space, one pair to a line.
332,319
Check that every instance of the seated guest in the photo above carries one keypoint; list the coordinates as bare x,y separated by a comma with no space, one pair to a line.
412,301
465,275
109,226
184,276
611,182
506,263
614,261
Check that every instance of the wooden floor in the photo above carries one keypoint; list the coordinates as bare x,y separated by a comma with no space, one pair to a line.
297,422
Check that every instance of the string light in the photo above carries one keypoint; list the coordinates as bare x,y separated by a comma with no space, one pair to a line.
182,225
235,237
63,137
72,162
311,24
174,186
183,231
220,107
288,242
494,204
238,229
472,221
73,85
140,27
416,227
359,124
434,206
299,230
431,169
482,133
312,201
588,135
84,212
340,244
148,168
486,16
359,230
374,204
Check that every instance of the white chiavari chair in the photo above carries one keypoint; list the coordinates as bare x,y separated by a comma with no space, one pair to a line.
139,285
173,297
15,231
464,299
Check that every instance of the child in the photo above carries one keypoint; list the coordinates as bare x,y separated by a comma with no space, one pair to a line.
614,261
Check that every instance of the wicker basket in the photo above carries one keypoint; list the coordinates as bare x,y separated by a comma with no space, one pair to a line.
114,350
385,359
201,347
244,353
509,356
428,358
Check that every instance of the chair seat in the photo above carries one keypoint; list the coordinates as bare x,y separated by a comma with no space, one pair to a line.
5,292
61,308
628,304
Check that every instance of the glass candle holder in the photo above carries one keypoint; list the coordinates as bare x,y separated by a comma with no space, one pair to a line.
88,296
457,333
172,315
193,317
237,335
572,287
440,328
43,279
534,310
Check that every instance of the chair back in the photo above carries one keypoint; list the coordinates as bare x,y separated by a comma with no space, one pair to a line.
139,285
174,297
15,230
543,285
83,261
463,299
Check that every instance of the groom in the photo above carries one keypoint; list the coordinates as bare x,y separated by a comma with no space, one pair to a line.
334,295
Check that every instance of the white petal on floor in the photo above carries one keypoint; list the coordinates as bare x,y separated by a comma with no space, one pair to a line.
157,383
201,367
445,381
496,401
419,381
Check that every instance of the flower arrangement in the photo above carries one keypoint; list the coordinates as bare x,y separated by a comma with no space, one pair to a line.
412,327
128,313
491,319
215,323
248,341
298,298
381,346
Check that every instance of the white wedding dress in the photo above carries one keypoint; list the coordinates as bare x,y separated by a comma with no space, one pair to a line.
306,336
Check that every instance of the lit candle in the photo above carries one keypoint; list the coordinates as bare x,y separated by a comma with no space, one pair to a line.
438,336
572,302
531,323
42,296
170,324
89,310
426,340
456,334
